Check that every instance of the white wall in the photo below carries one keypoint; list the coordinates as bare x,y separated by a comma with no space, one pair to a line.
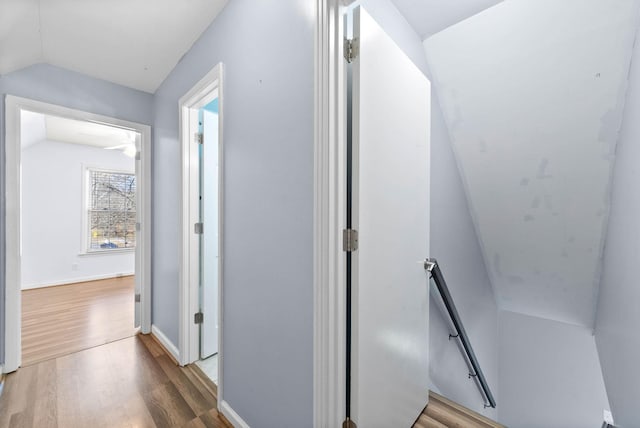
52,210
454,243
618,316
549,374
532,92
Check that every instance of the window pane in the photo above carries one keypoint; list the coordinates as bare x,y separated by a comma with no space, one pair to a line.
112,210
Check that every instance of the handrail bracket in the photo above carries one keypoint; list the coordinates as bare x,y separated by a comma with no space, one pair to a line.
431,266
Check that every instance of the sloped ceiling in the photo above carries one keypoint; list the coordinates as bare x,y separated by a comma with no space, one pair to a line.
533,93
135,43
38,127
88,133
428,17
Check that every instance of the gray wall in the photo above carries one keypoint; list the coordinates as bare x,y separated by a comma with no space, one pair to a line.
267,48
66,88
453,242
618,315
549,374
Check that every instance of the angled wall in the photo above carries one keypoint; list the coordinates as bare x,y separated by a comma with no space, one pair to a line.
532,93
455,245
549,374
618,316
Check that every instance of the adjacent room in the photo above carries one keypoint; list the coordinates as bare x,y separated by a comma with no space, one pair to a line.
208,201
78,235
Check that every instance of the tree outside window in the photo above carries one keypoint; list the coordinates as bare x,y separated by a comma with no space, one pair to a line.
112,210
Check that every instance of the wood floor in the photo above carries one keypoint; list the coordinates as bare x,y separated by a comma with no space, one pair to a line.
444,413
68,318
128,383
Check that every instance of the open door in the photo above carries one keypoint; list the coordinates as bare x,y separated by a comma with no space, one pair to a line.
390,211
209,249
139,243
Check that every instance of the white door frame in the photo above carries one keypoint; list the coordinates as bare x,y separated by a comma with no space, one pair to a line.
202,93
329,266
13,106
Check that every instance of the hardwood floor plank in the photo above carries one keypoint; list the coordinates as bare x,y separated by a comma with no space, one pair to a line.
124,384
195,423
213,419
60,320
17,398
167,407
201,381
45,411
137,413
18,421
148,372
153,347
194,398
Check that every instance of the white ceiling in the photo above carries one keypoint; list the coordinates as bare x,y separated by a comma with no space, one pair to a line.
135,43
88,133
37,127
428,17
32,128
533,93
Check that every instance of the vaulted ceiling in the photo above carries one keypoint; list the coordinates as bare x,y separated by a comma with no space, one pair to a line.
428,17
135,43
533,94
37,127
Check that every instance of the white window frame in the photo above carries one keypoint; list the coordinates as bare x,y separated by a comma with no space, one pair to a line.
86,200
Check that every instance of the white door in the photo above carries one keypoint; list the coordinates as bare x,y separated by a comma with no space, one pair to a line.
209,262
138,249
390,289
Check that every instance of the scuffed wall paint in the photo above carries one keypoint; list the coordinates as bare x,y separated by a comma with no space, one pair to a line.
532,96
618,316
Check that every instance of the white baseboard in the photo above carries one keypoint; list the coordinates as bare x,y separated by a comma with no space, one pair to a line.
232,416
75,280
168,345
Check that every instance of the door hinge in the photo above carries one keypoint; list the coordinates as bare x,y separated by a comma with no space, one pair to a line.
198,137
138,155
138,227
198,228
348,423
349,240
137,298
198,318
351,49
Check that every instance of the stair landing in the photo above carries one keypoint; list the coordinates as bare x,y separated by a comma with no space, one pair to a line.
444,413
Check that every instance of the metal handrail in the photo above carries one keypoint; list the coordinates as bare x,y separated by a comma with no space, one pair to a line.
431,265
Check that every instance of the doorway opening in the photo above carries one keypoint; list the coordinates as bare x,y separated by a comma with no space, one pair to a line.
208,124
202,245
78,234
78,222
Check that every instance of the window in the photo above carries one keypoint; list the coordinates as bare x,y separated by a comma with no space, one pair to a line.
111,210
